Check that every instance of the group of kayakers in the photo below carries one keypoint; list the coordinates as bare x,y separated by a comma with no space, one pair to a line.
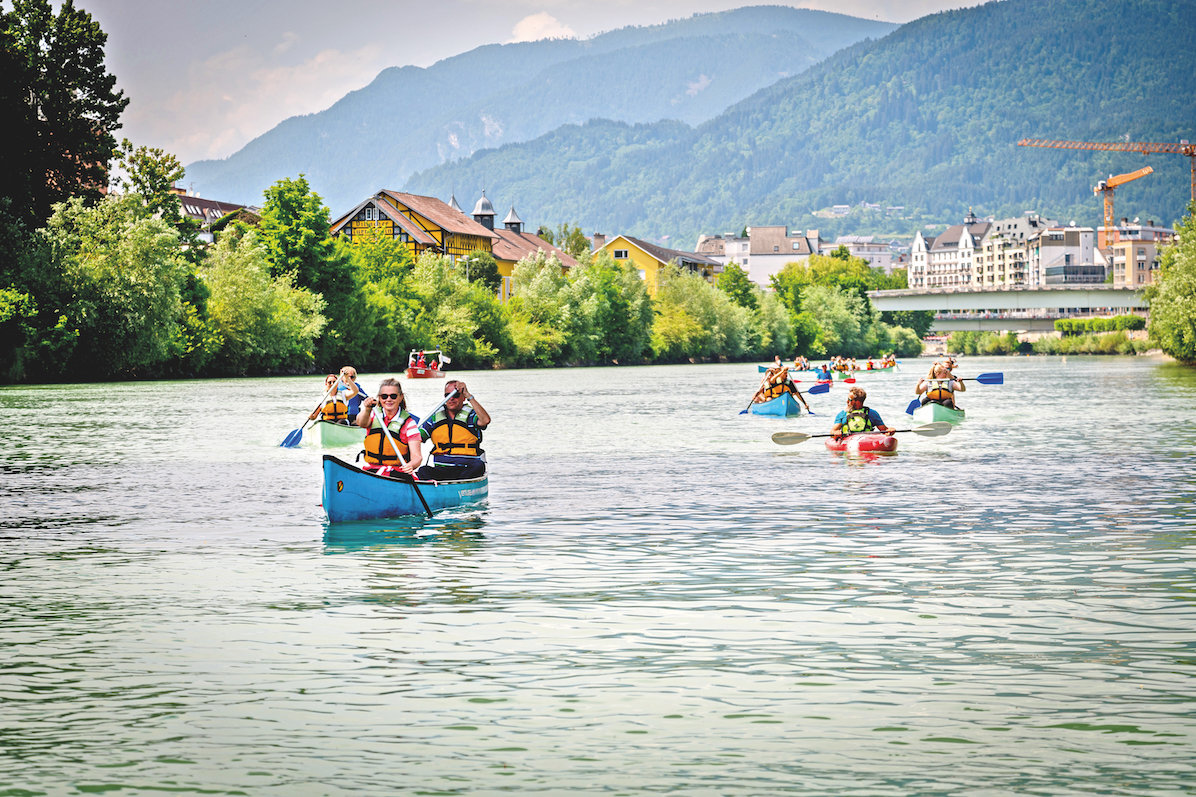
939,385
394,437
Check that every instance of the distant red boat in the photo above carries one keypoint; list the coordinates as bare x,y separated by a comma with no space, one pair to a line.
425,364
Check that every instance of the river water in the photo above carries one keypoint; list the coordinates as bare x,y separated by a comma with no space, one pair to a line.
656,598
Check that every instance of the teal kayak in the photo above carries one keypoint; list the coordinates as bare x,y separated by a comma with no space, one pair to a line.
930,412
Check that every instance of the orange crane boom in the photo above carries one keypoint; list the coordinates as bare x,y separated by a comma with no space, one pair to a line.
1145,147
1106,187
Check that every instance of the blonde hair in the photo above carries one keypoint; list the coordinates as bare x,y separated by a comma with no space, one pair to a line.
857,393
390,380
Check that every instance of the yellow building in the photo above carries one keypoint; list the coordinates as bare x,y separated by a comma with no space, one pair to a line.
424,223
650,258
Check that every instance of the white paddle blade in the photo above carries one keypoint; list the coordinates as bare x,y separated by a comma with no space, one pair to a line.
935,429
789,438
444,358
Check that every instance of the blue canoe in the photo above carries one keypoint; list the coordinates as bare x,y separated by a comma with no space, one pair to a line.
784,406
351,493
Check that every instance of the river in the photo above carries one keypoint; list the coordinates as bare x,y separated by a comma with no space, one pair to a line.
655,598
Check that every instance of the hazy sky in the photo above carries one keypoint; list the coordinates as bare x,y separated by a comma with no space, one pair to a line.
204,78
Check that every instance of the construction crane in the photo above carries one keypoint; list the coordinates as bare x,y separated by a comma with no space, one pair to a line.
1147,148
1106,187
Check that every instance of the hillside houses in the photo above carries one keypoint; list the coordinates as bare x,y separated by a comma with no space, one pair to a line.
427,224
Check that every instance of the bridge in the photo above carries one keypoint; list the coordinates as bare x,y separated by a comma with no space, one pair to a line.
1015,309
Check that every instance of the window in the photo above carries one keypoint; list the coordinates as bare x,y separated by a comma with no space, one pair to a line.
621,254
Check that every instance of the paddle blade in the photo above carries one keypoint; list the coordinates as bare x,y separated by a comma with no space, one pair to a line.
817,389
789,438
850,380
444,358
913,405
935,429
996,378
292,439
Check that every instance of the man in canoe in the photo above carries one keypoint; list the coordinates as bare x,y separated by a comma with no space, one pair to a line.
857,418
939,386
456,437
380,455
776,382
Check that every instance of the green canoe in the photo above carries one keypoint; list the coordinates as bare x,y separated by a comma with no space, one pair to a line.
930,412
330,435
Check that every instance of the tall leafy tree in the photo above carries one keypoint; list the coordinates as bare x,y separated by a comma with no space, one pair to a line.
60,107
735,283
295,231
1173,297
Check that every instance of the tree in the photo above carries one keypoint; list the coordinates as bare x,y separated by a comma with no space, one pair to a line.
59,104
262,323
1172,298
735,283
482,268
124,274
295,231
151,173
567,238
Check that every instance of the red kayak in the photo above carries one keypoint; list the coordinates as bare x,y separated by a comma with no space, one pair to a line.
864,443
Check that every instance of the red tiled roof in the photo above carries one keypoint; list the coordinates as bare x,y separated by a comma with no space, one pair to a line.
441,214
511,245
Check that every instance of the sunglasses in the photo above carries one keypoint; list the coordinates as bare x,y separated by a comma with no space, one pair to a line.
385,396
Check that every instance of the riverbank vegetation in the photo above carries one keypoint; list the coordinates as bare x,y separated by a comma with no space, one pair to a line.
1173,296
123,287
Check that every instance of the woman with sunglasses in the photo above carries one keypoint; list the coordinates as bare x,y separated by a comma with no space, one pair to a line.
380,456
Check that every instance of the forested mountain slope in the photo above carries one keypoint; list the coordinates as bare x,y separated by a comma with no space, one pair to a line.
411,118
926,118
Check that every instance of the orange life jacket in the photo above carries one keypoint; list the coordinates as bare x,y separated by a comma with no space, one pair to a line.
378,450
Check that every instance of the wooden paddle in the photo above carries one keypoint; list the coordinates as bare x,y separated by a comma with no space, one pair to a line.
296,435
382,418
936,429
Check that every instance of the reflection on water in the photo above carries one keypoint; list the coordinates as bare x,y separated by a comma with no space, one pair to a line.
655,597
443,529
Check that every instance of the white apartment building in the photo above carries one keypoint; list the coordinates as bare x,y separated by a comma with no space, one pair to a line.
765,251
1002,261
865,247
1065,256
945,260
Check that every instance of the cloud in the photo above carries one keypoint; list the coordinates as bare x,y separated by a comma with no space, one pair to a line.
289,40
235,96
540,26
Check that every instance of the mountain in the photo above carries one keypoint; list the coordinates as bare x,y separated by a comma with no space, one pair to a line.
926,118
411,118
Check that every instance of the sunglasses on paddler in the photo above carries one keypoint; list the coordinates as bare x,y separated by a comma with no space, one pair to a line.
388,395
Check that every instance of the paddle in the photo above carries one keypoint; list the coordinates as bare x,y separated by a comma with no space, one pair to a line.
296,435
402,461
436,409
936,429
994,378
